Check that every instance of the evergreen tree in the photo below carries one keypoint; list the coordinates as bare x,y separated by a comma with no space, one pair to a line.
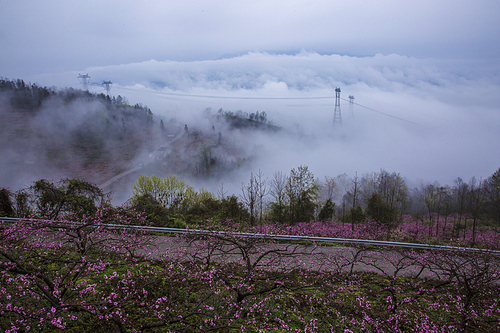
327,211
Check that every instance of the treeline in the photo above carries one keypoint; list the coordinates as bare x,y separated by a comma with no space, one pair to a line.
257,116
240,119
31,96
476,199
25,95
53,200
168,202
382,197
88,277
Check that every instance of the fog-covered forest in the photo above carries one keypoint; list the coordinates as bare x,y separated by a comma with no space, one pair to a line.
61,134
71,133
53,134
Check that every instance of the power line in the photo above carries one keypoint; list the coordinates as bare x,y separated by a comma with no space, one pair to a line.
233,97
270,98
383,113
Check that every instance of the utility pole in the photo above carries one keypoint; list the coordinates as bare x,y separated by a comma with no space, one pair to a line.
107,86
337,117
351,105
84,79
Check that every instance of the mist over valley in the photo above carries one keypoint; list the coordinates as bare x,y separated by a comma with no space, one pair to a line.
423,119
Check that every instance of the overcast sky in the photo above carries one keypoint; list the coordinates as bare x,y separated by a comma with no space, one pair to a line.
433,63
59,35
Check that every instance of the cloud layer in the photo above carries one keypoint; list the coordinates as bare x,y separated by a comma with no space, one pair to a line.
41,37
427,119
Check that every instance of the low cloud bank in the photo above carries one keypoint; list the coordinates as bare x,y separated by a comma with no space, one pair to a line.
427,119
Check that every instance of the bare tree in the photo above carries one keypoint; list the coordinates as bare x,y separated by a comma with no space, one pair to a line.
330,189
428,196
262,191
221,193
342,182
460,191
352,196
244,262
368,186
476,201
475,274
278,192
249,196
445,198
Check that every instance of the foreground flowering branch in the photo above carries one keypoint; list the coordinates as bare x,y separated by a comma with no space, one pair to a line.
87,277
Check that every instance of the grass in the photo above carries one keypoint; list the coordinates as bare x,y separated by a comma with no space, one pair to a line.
151,290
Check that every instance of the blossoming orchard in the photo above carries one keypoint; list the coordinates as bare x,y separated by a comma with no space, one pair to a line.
65,267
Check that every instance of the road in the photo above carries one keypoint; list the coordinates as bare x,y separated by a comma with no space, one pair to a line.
139,167
281,252
390,262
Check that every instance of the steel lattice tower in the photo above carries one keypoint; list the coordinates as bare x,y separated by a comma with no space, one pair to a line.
107,86
351,105
337,117
84,79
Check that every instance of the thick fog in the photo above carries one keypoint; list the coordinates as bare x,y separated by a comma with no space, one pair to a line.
432,120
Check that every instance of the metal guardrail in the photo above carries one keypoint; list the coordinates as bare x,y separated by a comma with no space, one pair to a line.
283,237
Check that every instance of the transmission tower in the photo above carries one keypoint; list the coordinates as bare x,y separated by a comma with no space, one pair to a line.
337,117
351,105
107,86
84,79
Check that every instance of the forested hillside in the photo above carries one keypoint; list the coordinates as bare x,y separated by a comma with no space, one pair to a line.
50,132
55,133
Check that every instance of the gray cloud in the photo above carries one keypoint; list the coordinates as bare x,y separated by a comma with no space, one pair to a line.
40,37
